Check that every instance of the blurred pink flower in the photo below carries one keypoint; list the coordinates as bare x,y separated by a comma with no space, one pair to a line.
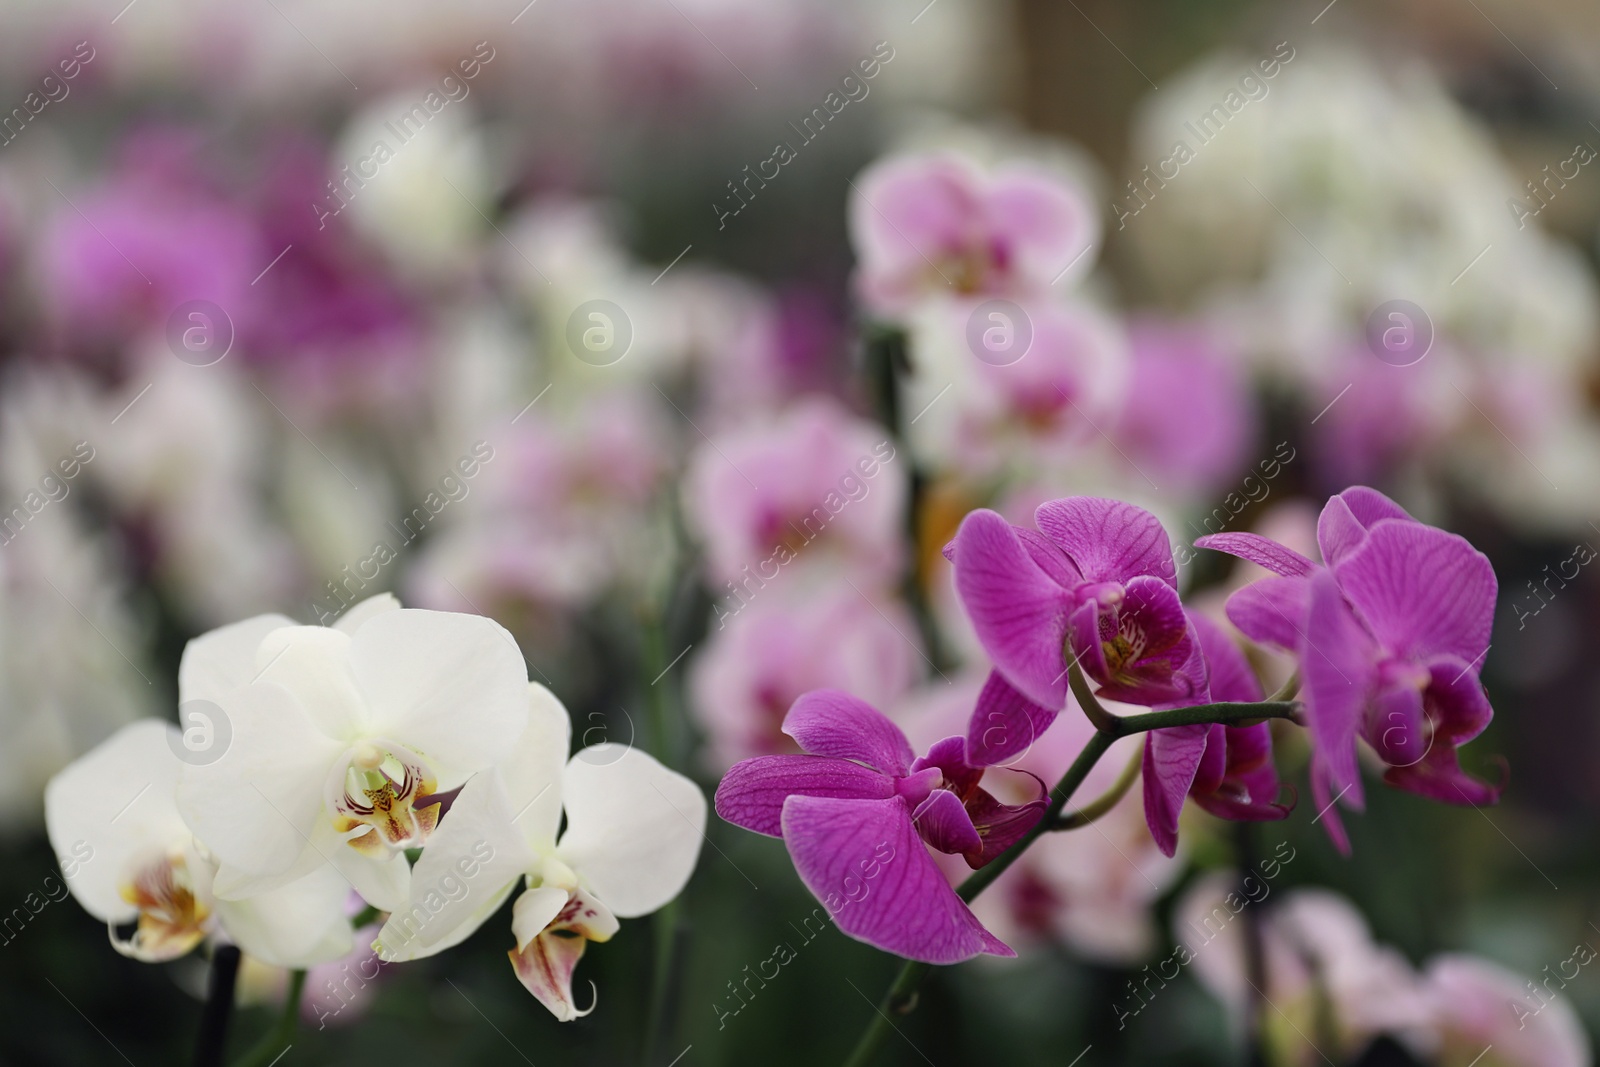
1191,419
751,669
931,224
1478,1005
153,234
339,992
815,483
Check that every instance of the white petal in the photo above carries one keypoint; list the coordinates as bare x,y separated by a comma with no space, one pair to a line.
384,882
218,662
298,926
256,806
634,827
313,663
460,933
475,852
452,687
373,605
109,811
533,911
533,771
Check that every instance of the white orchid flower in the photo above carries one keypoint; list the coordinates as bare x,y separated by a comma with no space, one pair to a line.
340,738
113,821
633,834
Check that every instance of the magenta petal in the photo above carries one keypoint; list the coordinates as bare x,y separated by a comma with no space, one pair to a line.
1327,810
944,824
1004,724
1228,673
1110,541
1000,825
1018,612
1213,767
1396,730
752,793
1165,669
828,722
1460,708
1438,776
1345,520
1338,674
1171,757
1272,611
864,861
1262,551
1422,591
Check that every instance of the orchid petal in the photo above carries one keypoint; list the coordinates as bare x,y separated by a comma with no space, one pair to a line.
1005,723
312,663
1018,612
1345,520
1171,758
1338,671
634,828
257,805
454,687
298,926
864,861
752,793
1272,611
545,964
1108,540
828,722
1228,672
216,663
112,809
476,850
1421,591
532,772
358,614
1262,551
943,823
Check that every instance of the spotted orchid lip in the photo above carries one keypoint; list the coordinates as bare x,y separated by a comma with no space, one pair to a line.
377,792
172,917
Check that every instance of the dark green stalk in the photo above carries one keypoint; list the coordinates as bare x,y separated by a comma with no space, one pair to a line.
274,1041
212,1040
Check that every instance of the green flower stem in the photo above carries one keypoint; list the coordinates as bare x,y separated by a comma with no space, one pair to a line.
1102,804
274,1041
902,995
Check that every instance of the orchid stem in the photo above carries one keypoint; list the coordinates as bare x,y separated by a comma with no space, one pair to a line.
212,1040
1102,804
1290,689
275,1041
901,997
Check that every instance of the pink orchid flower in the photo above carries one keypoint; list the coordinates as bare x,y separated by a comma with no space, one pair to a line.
856,812
1389,632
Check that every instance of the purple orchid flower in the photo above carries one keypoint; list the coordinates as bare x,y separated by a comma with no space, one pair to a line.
1097,586
1228,770
855,813
1389,632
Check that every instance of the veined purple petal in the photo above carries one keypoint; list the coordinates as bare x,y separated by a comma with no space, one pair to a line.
1004,723
752,793
1345,520
1213,768
1249,791
1456,701
942,821
1272,611
1338,671
1327,810
1151,658
1019,613
1262,551
1109,540
1228,673
864,861
829,722
1422,591
1438,776
1054,562
1000,825
1171,757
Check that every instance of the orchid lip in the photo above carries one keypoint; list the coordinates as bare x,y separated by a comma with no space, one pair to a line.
378,792
172,917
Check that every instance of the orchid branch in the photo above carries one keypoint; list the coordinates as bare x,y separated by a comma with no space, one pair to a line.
274,1041
1102,804
902,995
